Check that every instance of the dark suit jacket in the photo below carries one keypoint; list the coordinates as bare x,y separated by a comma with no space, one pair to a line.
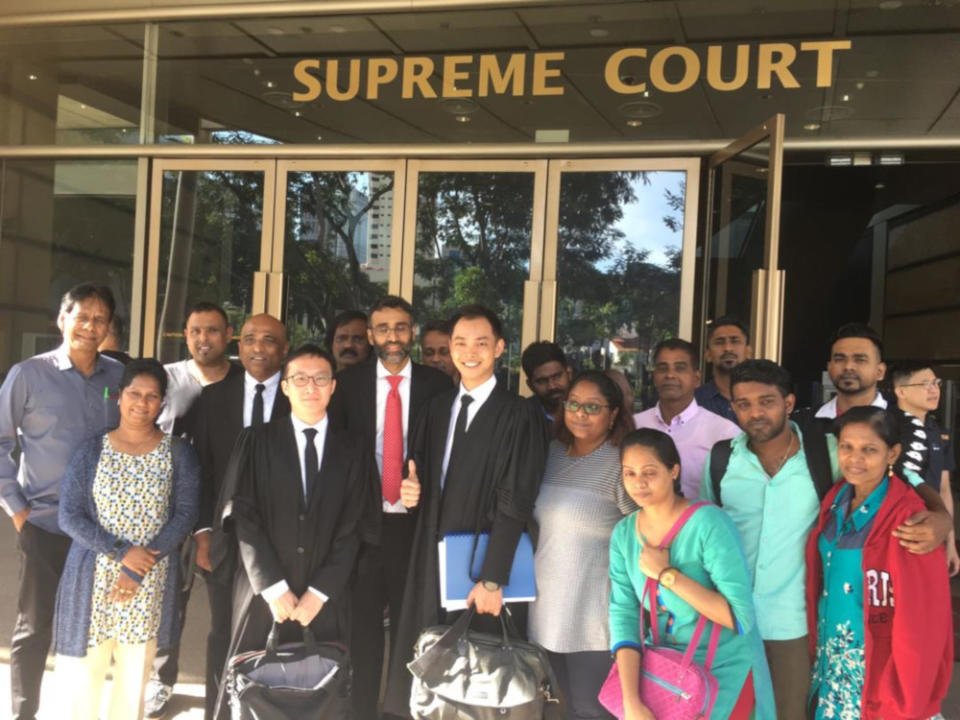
219,420
353,408
309,542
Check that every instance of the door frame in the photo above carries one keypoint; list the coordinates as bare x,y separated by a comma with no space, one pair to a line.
259,301
688,247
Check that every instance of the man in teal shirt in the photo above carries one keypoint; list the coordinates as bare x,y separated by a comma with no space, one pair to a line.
770,490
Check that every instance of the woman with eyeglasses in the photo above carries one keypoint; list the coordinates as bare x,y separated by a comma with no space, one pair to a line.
581,499
128,500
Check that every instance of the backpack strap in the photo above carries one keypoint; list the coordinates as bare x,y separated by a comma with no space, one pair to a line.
719,459
816,451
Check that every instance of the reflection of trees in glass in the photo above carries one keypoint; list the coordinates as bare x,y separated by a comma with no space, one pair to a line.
327,250
473,243
610,288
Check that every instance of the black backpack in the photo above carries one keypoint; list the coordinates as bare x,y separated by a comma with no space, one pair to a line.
815,448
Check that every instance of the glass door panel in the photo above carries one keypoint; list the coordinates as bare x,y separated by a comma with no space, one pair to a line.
339,232
208,241
618,278
741,243
476,227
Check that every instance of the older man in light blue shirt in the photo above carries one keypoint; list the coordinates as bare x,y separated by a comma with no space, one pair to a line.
50,404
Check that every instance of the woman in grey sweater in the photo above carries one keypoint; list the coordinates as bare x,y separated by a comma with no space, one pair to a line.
128,499
581,500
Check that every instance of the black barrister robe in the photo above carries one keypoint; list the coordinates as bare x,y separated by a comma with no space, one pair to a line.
281,537
493,484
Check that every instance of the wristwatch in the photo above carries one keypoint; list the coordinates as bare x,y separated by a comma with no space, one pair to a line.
668,577
490,586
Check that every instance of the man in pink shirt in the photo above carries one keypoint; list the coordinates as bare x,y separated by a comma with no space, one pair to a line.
693,429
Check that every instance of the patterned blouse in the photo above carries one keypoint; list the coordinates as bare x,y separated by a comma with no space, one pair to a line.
838,669
132,496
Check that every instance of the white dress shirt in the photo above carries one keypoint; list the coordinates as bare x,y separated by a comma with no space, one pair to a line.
270,389
480,394
383,388
829,409
279,588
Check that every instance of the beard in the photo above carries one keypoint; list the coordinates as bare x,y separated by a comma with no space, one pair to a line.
394,353
763,431
551,401
849,384
727,362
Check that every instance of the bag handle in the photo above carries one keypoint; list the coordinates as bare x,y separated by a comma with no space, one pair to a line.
273,640
454,634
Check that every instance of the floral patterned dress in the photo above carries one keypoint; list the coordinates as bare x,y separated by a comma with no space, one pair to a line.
838,671
132,497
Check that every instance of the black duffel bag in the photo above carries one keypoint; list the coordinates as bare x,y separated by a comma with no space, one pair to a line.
461,674
295,681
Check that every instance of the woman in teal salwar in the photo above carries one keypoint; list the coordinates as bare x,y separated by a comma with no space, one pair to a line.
702,571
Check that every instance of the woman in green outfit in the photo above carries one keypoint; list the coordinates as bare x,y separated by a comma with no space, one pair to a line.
702,571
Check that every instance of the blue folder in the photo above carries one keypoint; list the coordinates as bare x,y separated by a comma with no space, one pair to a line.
456,577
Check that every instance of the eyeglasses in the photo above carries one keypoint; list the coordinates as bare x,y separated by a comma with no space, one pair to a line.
589,408
301,380
399,329
549,379
926,384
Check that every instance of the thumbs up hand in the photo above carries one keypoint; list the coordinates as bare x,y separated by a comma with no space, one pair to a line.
410,487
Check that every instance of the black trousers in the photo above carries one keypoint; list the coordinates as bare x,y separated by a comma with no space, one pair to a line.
166,663
218,641
378,584
581,675
42,555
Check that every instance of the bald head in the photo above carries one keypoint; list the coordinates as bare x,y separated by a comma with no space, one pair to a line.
263,346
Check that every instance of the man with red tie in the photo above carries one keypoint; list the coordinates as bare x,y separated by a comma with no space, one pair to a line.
380,400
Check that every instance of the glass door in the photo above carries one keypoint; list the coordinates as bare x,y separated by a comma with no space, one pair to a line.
210,232
473,232
336,241
618,263
741,240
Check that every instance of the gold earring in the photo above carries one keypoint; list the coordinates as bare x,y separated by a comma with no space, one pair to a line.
890,470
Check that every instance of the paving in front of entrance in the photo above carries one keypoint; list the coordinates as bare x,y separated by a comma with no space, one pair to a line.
187,702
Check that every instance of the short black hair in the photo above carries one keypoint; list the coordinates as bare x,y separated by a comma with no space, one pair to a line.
727,321
857,330
203,306
347,316
439,326
86,291
765,372
906,369
394,302
540,353
308,350
882,422
144,366
473,312
661,444
677,344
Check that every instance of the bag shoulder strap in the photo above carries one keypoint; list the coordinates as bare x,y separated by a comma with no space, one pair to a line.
816,449
719,459
681,521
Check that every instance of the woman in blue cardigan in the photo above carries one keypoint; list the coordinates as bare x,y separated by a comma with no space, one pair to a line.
128,500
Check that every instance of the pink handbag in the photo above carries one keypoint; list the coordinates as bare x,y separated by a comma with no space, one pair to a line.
671,684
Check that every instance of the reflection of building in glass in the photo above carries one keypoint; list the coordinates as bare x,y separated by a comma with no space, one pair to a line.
377,232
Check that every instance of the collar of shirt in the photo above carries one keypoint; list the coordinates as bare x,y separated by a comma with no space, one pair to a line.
479,395
865,512
65,363
829,409
383,373
298,427
250,382
688,413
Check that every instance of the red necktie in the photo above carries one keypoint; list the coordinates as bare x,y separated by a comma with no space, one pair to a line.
393,442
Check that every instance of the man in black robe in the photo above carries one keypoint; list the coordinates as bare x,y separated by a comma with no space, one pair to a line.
295,487
477,458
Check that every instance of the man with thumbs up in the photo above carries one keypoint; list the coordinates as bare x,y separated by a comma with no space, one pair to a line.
380,400
478,455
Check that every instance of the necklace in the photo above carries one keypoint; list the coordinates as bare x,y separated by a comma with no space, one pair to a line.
785,455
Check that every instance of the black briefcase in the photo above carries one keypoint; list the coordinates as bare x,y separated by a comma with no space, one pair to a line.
307,680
